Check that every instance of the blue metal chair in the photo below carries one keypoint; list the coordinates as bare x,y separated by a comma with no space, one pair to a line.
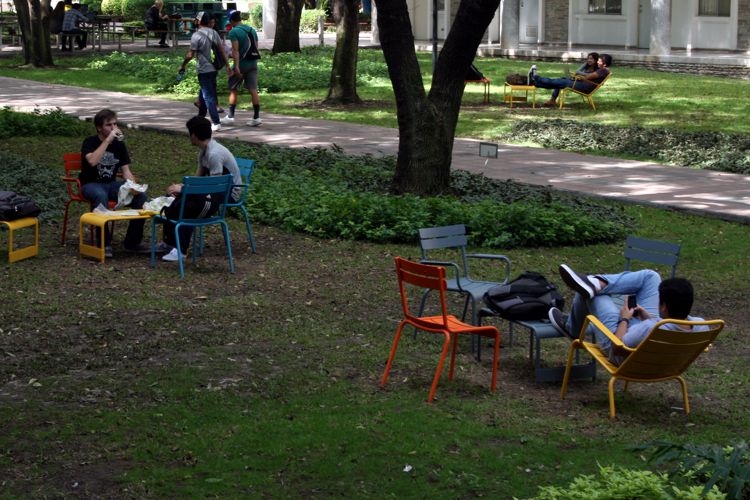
246,171
221,186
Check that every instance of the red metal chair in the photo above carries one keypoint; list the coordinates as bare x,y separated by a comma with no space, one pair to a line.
433,277
75,193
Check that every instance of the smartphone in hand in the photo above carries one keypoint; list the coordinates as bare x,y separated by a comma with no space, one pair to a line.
631,302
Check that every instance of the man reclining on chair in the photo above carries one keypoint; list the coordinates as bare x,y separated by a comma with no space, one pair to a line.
655,299
589,82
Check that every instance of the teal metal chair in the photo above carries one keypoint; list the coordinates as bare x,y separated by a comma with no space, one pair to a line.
246,171
217,186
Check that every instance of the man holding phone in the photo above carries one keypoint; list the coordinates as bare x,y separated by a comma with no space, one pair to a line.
649,301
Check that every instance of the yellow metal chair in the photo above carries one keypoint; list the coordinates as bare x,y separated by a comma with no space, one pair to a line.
586,96
663,355
14,254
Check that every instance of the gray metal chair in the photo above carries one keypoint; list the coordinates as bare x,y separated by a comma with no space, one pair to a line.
453,238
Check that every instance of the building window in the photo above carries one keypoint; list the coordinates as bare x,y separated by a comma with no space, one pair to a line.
605,6
715,8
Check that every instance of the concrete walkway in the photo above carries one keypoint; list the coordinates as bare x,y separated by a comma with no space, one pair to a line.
717,194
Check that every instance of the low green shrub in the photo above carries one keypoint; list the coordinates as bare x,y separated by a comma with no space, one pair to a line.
44,123
724,467
308,22
706,150
616,482
134,10
32,179
329,194
112,7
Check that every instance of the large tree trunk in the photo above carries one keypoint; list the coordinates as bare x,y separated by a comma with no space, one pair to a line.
288,13
343,86
33,19
427,123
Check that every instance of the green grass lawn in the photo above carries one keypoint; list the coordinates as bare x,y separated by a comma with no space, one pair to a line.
630,97
118,380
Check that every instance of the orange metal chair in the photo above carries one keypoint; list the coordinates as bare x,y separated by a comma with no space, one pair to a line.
433,277
72,167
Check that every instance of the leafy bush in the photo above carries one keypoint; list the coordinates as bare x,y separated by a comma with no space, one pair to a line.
135,10
309,69
256,16
36,123
329,194
708,150
32,179
725,467
616,482
112,7
309,20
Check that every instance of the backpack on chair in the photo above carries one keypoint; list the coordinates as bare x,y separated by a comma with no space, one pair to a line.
528,297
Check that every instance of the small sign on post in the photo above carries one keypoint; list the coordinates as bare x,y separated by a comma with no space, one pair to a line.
488,149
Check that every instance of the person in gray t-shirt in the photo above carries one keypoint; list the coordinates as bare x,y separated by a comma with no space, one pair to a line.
202,43
654,300
213,159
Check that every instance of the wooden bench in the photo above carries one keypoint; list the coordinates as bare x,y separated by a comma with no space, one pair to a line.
486,82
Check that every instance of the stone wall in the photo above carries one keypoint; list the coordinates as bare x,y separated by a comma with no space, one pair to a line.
743,25
556,21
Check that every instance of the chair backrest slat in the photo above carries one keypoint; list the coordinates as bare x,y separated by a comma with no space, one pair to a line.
654,251
215,184
72,162
423,276
444,238
666,352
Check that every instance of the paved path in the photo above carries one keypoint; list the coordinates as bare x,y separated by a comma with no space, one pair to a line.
700,191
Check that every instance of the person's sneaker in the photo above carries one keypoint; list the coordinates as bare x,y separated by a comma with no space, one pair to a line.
108,251
581,283
228,119
139,248
215,127
163,247
254,122
172,256
557,320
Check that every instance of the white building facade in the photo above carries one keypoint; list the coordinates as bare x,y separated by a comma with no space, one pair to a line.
657,25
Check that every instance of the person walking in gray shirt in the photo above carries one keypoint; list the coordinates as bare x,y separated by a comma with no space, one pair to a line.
203,42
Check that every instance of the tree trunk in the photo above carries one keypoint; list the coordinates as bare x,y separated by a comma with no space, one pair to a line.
288,13
427,123
343,86
33,19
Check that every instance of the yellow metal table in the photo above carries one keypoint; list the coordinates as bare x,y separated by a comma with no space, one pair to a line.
508,96
100,220
14,254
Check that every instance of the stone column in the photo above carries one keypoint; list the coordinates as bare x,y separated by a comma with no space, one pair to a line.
375,33
509,32
269,19
661,27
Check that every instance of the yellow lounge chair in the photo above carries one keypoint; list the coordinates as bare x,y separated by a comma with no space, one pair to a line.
663,355
587,96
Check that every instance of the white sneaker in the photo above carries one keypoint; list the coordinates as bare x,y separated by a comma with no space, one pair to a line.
108,251
227,119
215,127
172,256
254,122
162,247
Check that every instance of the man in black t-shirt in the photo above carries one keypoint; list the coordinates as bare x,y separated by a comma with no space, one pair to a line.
102,156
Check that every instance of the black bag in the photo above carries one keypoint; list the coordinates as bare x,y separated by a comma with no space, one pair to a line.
528,297
252,53
17,206
517,79
473,73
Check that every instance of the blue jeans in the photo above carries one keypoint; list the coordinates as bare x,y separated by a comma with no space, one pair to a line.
643,284
100,193
207,99
560,83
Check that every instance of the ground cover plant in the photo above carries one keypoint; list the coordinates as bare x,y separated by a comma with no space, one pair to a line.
122,381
